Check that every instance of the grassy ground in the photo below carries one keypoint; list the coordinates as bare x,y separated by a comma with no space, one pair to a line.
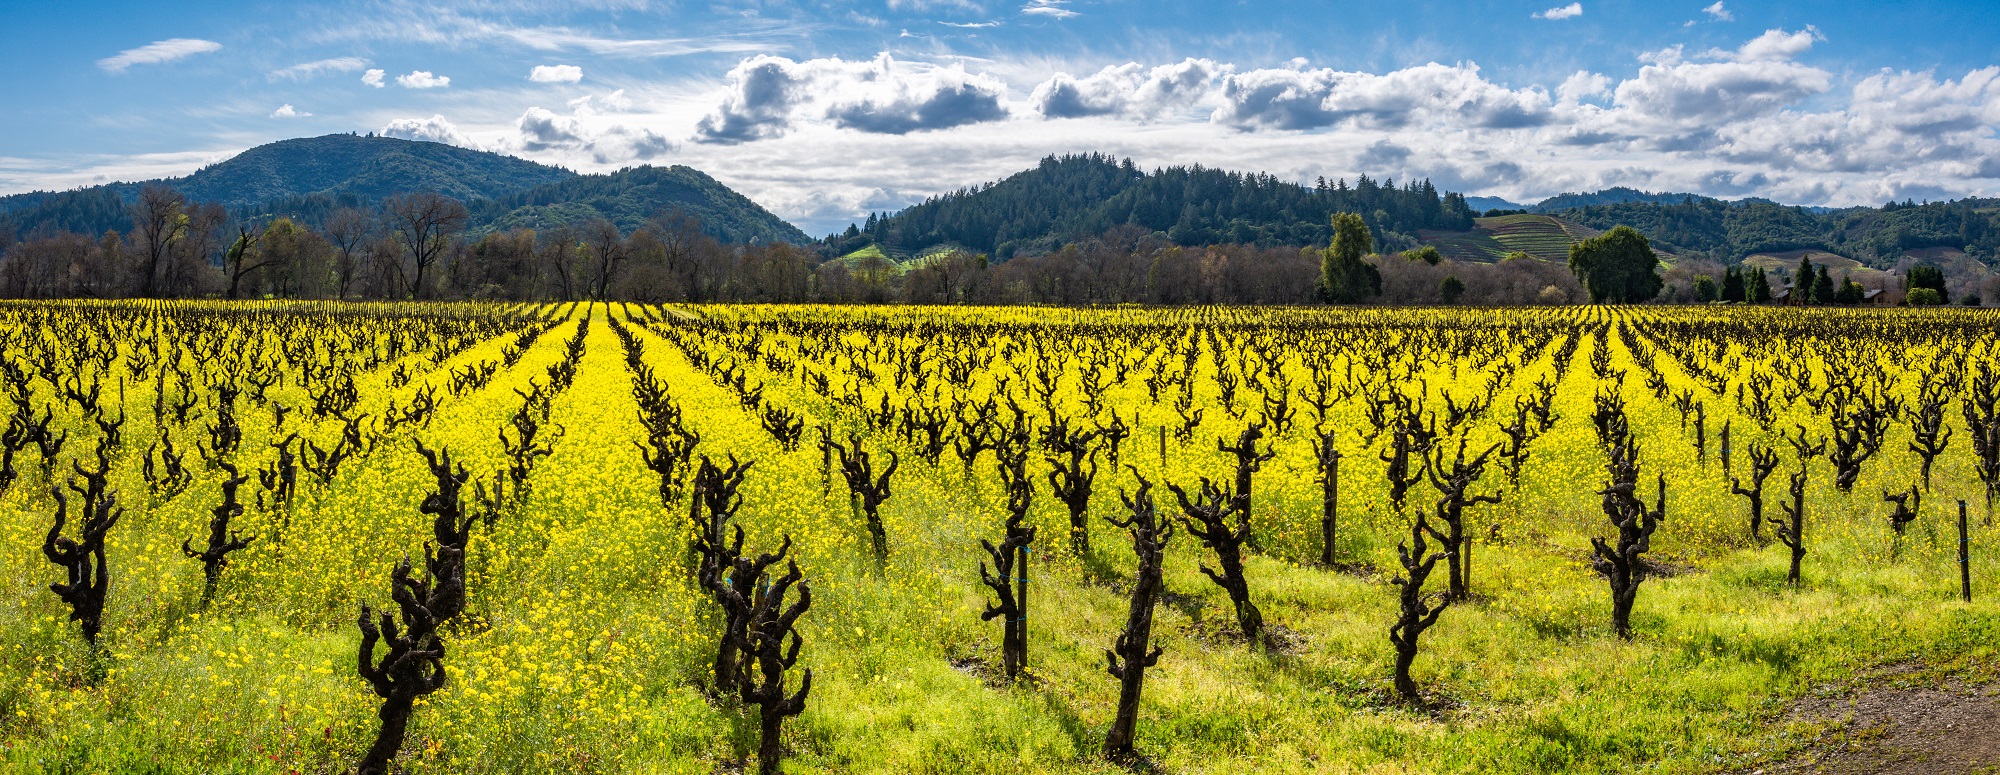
592,642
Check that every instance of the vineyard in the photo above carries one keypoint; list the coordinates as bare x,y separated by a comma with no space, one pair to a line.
464,538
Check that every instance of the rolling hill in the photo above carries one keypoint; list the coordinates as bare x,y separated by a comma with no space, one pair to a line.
1068,198
630,196
308,178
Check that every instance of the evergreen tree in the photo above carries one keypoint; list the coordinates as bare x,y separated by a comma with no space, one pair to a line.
1927,276
1850,292
1732,285
1759,289
1344,277
1822,288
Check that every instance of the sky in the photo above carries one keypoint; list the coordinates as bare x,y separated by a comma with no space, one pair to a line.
824,112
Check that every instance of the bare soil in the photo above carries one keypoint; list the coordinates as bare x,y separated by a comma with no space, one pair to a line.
1905,723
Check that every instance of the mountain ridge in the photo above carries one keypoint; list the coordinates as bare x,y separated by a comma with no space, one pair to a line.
308,178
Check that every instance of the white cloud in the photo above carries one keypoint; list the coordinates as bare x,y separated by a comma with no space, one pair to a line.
1776,46
158,52
434,129
1570,11
1718,13
373,78
767,96
1129,90
556,74
306,71
1432,93
1051,8
423,79
287,111
926,5
1696,94
590,104
1583,85
540,130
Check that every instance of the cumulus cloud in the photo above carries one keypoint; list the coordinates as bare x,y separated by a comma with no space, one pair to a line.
1051,8
556,74
768,96
1570,11
434,129
422,79
1583,85
1128,90
373,78
158,52
540,130
1719,13
306,71
1893,122
1754,80
1774,46
1316,98
287,111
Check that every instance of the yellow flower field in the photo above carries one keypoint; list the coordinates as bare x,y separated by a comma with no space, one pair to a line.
588,640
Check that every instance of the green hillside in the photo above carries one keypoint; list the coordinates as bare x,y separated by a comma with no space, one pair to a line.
629,197
307,179
369,168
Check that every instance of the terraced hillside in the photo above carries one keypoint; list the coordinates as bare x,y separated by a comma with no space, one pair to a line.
1491,239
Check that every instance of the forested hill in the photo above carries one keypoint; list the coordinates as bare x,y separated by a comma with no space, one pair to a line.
1068,198
1732,230
334,166
308,178
630,196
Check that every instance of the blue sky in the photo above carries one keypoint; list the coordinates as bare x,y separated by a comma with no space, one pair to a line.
824,111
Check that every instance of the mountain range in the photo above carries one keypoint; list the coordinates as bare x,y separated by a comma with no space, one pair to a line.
1062,199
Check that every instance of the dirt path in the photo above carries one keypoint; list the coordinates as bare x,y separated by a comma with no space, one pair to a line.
1908,724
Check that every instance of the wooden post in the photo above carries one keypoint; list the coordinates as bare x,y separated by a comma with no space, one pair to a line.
1701,435
1021,605
1964,558
1330,517
1725,446
1163,450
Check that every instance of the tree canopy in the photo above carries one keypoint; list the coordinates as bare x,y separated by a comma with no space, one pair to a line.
1344,277
1618,266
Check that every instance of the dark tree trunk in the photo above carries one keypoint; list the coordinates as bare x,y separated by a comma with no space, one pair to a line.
1129,656
770,740
1329,499
1207,518
381,756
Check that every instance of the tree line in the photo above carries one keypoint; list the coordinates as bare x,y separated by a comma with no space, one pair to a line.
418,246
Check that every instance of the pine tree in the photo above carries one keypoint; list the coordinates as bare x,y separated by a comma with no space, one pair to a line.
1759,290
1732,285
1822,288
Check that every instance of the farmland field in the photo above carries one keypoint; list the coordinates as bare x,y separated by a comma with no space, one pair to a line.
587,639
